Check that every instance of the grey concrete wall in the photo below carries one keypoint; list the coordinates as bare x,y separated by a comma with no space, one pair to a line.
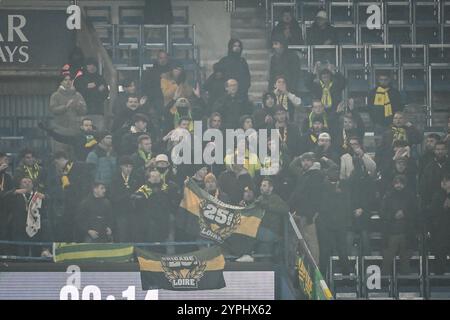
213,29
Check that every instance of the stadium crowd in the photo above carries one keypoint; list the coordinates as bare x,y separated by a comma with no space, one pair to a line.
117,183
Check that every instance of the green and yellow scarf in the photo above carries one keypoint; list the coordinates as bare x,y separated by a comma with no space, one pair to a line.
382,100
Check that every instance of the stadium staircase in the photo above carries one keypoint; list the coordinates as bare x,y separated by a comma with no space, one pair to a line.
248,25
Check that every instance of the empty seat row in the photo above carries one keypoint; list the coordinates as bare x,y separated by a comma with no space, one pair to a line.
130,14
356,12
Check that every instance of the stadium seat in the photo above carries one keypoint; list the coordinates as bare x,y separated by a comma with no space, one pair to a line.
399,34
383,55
180,14
414,83
358,82
439,54
346,33
342,13
427,12
440,79
413,55
367,36
131,15
352,55
308,10
427,34
155,36
128,36
99,14
325,53
398,12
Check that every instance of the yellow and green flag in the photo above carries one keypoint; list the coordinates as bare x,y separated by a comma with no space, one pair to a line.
206,216
92,252
199,270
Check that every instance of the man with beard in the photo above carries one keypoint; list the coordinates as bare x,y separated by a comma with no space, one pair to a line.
235,67
384,101
153,210
351,125
325,153
126,140
94,217
103,159
321,32
308,141
129,88
317,112
289,132
400,130
283,62
29,167
427,155
212,188
82,143
327,86
306,198
124,184
124,119
432,176
142,158
92,87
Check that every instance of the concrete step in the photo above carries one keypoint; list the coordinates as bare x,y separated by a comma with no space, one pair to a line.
248,13
259,75
254,43
257,54
249,33
256,65
247,22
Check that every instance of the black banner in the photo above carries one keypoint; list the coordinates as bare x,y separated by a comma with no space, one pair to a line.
34,38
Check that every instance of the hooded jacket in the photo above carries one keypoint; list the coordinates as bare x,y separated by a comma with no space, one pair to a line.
67,118
94,97
236,67
307,195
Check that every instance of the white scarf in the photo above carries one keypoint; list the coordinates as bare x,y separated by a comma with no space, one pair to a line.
33,215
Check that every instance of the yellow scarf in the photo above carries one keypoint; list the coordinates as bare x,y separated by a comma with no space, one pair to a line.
399,134
382,100
90,142
326,95
145,157
282,100
32,172
313,138
65,175
147,191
